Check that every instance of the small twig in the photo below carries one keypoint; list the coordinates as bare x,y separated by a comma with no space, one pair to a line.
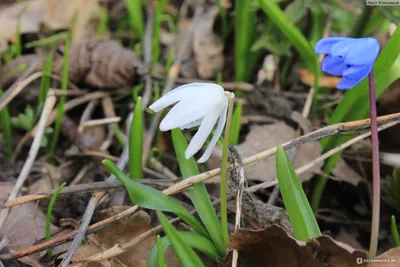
232,86
17,88
322,158
87,113
81,188
239,198
68,106
147,50
91,123
48,107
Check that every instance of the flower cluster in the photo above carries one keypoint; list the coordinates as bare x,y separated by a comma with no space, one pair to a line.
199,104
352,58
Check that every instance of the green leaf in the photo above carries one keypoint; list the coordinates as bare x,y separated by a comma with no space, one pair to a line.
245,32
185,254
160,253
159,9
300,214
136,142
292,33
135,10
49,213
150,198
236,123
5,122
395,232
198,192
195,241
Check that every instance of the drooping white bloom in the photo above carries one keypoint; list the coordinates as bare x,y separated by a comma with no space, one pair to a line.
198,104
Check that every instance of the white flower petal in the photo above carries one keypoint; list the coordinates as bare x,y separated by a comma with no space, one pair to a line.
217,134
185,92
184,113
204,131
192,124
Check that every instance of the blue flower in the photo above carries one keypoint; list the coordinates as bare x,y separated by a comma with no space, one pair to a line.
352,58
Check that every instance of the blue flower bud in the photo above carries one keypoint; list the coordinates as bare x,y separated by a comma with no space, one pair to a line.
351,58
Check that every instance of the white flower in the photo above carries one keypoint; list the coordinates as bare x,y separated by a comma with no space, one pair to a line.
198,104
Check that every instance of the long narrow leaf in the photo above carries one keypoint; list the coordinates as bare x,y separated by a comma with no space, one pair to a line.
160,253
135,11
185,254
300,214
49,213
395,232
236,123
64,86
5,121
150,198
245,29
198,192
195,241
136,142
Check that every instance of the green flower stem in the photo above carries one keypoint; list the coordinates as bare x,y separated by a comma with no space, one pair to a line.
376,196
224,169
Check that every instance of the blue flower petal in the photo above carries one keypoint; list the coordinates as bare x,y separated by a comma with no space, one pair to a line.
341,49
333,66
354,72
352,76
363,51
324,46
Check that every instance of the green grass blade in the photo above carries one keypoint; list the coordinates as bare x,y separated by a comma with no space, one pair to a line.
135,10
49,213
198,192
395,232
160,252
51,40
7,132
150,198
236,123
224,19
195,241
156,46
45,80
185,254
300,214
64,86
245,31
119,135
136,142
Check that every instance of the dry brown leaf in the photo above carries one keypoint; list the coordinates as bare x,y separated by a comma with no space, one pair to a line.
58,14
121,232
274,247
343,172
390,258
25,224
29,20
207,46
267,136
326,81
